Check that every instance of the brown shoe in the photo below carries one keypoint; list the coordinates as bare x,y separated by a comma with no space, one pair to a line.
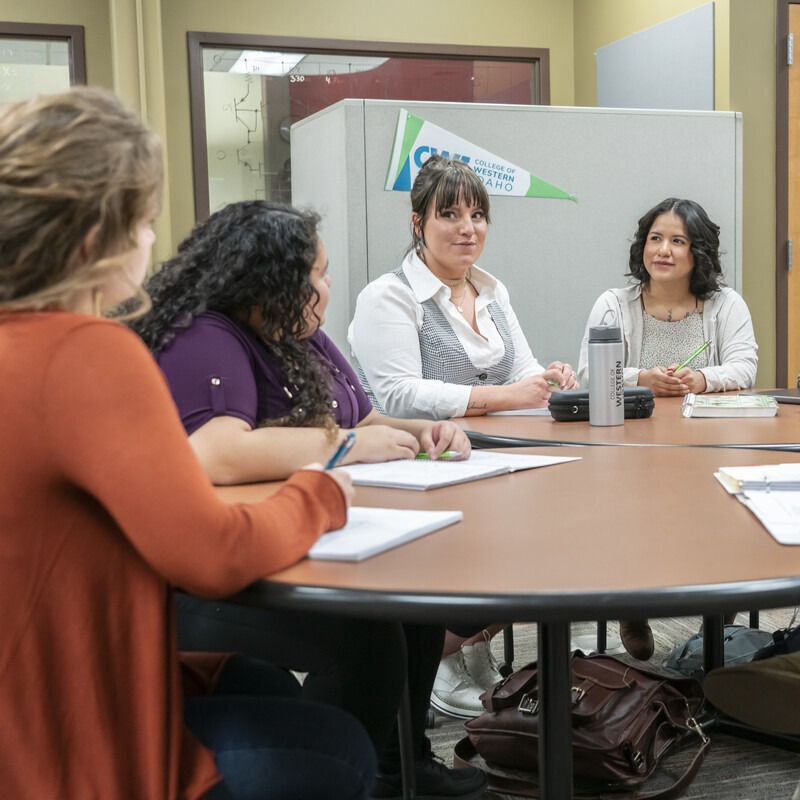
764,694
637,638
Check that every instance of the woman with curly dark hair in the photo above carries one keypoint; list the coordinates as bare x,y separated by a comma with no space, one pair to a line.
677,303
235,326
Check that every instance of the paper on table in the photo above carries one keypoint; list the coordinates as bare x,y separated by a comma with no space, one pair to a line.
421,475
370,531
522,412
778,512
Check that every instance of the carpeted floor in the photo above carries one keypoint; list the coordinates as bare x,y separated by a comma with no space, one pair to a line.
735,768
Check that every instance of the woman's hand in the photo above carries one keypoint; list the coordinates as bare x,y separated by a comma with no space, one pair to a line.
663,383
693,378
376,442
444,435
534,391
568,378
342,478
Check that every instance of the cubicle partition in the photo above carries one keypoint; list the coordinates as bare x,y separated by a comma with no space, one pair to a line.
555,255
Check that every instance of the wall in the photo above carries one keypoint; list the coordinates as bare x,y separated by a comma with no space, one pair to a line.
600,22
752,70
744,75
504,23
92,14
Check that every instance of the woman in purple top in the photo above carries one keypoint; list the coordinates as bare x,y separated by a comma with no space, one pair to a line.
235,326
261,390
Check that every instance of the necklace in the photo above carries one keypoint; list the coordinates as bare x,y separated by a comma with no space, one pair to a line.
457,303
669,318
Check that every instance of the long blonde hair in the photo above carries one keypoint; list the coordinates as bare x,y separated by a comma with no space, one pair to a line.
71,164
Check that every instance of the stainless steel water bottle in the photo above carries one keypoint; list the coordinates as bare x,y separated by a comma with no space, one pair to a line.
606,394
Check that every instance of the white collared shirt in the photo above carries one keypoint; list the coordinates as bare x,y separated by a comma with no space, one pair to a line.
384,339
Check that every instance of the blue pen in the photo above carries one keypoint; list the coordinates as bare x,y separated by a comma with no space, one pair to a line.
342,450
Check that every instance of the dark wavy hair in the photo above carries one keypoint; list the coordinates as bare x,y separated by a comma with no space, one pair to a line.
249,255
706,277
441,183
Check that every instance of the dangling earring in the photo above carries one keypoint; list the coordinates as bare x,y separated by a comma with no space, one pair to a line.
419,242
97,302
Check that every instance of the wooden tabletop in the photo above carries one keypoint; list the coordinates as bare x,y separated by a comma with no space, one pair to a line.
625,527
666,426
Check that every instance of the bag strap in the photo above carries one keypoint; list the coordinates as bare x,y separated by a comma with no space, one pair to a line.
464,751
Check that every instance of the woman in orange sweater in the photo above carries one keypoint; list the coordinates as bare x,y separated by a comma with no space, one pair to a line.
104,508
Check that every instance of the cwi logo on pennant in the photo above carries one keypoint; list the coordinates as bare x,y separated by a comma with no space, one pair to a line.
416,140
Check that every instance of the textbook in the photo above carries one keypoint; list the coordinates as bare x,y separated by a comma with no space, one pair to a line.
729,405
370,531
767,478
425,474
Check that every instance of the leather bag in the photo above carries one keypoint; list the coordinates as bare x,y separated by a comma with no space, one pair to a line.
624,720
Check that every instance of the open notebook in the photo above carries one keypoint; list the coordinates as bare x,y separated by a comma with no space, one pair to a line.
422,474
771,492
372,530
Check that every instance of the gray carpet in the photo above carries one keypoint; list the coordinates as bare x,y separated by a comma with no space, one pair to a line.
735,769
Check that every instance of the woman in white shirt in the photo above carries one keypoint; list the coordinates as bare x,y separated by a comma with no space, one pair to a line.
437,338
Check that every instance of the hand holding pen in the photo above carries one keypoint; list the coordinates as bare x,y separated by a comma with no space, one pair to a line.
560,376
693,380
691,358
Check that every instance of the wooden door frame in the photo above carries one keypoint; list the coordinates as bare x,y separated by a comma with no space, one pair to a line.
782,192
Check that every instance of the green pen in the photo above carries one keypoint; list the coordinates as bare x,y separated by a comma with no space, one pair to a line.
447,455
551,382
692,356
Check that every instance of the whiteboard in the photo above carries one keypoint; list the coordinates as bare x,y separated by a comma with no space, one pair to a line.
555,256
670,65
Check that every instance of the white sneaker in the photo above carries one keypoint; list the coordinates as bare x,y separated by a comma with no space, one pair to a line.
454,691
481,664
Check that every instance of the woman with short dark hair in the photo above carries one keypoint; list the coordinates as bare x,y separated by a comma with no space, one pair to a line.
677,302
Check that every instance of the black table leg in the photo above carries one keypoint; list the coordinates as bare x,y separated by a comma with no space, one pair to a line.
555,721
713,648
407,764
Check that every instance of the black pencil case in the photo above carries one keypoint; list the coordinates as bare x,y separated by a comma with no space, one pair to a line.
574,406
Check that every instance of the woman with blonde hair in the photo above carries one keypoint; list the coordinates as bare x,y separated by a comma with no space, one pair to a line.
105,508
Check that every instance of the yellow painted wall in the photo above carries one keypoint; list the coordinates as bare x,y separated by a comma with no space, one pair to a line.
503,23
92,14
601,22
572,31
744,75
752,69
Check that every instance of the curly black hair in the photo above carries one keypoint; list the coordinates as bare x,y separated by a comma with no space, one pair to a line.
249,255
706,277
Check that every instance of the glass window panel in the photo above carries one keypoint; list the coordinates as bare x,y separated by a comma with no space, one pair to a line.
30,66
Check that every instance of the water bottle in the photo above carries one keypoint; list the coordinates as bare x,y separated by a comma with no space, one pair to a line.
606,394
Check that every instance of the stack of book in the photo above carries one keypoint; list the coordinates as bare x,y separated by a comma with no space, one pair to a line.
729,405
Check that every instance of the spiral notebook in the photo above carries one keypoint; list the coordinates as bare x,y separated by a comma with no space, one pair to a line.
370,531
421,475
